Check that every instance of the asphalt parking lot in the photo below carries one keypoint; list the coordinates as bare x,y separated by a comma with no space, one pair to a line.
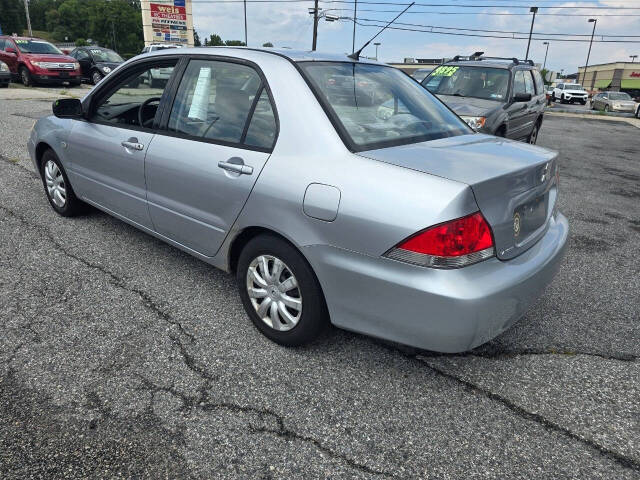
121,356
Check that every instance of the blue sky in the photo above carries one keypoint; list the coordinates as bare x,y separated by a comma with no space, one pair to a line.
290,25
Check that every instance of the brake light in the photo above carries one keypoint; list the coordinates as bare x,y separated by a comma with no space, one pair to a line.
453,244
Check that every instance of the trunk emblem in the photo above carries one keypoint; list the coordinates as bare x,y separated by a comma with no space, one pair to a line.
516,224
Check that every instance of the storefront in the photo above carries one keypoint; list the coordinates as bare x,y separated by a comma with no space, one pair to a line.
618,76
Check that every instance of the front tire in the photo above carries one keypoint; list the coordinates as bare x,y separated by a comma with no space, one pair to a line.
57,187
533,136
25,77
280,292
606,108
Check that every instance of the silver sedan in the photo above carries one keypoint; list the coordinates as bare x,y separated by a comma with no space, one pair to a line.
337,191
613,102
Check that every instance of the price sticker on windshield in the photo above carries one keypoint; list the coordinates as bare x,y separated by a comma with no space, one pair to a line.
445,71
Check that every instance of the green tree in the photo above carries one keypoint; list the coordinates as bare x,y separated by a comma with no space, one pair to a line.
81,42
38,12
12,17
196,39
214,41
268,45
234,43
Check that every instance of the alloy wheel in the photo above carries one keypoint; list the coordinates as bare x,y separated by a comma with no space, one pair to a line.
56,187
533,138
274,292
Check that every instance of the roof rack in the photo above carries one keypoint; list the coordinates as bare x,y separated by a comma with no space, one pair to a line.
479,56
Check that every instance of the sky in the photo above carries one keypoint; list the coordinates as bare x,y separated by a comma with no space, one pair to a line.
290,25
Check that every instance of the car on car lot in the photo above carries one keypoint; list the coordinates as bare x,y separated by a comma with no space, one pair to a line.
5,75
36,61
96,62
613,102
420,73
411,227
569,93
499,96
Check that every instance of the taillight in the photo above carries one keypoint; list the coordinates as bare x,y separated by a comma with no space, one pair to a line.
453,244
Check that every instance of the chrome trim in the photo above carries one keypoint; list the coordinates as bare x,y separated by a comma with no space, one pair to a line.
434,261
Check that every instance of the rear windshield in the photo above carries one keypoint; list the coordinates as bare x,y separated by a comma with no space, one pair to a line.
619,96
375,106
465,81
36,46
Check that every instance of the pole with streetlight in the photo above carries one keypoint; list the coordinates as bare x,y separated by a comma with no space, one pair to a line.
544,65
633,57
594,21
533,10
377,44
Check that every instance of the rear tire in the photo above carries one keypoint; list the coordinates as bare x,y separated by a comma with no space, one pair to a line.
96,76
533,136
262,289
57,187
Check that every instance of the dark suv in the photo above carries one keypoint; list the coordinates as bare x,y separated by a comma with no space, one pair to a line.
499,96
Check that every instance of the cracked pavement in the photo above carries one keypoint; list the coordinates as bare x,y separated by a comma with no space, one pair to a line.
121,356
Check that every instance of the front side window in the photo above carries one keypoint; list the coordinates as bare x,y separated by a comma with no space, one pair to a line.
376,106
519,85
215,101
466,81
37,46
80,55
133,101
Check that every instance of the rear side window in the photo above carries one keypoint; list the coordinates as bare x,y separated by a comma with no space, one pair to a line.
539,82
528,82
225,102
519,85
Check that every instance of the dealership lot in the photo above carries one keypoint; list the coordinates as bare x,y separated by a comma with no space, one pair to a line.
121,355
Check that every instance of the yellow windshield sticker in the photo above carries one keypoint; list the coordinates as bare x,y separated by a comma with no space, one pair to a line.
445,71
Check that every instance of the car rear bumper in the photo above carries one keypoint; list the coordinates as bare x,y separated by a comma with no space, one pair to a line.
440,310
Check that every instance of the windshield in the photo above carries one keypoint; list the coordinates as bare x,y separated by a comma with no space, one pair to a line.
619,96
100,55
37,46
573,86
465,81
375,106
420,74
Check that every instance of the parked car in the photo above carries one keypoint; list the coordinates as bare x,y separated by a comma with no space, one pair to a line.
96,62
411,228
638,111
154,47
569,93
5,75
36,61
420,73
498,96
613,102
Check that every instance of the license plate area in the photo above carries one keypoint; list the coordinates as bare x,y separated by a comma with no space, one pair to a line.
529,217
64,74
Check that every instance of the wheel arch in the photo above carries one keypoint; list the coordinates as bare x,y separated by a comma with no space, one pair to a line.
245,235
42,147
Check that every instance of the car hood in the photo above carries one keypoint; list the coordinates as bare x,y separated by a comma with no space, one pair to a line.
505,176
469,106
41,57
575,92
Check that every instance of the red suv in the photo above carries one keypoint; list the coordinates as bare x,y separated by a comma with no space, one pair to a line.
38,61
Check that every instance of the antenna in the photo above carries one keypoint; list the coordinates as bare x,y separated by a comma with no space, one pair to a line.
356,55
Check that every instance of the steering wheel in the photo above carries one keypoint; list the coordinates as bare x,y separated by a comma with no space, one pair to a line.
141,120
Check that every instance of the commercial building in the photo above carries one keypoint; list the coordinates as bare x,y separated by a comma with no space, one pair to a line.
617,76
410,65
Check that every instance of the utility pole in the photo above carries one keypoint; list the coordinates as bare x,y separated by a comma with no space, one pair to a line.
355,13
545,55
246,44
315,26
377,44
533,10
26,9
584,75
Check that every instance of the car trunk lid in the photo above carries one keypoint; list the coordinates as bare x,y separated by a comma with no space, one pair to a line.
514,183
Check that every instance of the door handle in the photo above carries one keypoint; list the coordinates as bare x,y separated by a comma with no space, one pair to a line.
132,144
236,168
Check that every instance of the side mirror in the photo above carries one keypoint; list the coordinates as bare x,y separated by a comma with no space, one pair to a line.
67,108
521,97
10,50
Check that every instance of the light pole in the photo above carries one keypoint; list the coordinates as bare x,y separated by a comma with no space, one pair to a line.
533,10
377,44
633,57
544,65
594,21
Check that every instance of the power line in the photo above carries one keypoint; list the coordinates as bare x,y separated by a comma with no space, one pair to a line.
426,12
447,5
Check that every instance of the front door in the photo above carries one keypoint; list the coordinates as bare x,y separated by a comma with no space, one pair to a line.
216,140
107,151
518,111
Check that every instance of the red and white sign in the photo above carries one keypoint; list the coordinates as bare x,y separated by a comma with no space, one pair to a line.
635,74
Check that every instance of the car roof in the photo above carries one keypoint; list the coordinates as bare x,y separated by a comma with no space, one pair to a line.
26,38
487,63
293,55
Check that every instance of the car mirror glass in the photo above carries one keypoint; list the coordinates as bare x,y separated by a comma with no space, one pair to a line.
67,108
521,97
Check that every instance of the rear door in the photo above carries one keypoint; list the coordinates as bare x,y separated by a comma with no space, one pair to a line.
216,139
107,150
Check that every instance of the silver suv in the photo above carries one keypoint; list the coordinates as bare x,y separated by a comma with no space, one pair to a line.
499,96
